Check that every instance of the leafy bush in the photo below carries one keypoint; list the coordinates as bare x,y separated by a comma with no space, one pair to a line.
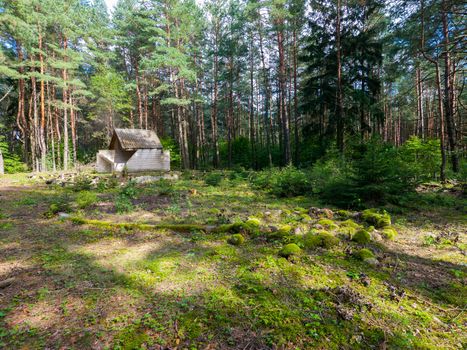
373,171
123,205
171,145
423,157
289,250
11,162
60,204
213,178
124,202
285,182
85,199
82,183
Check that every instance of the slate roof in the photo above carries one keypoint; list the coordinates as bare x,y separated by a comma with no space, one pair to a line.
133,139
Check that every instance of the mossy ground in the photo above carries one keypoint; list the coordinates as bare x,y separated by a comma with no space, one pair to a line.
100,285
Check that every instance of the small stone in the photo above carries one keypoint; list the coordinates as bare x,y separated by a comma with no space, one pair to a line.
63,215
297,231
273,228
372,261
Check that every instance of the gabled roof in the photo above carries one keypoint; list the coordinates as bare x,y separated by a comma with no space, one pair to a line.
133,139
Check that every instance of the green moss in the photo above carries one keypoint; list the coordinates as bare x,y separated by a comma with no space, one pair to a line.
389,232
282,232
378,219
131,337
301,210
305,217
253,222
364,254
214,211
134,226
322,239
289,250
349,223
236,239
344,214
349,227
362,237
328,224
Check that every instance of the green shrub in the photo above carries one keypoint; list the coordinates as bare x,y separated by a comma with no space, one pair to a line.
82,182
85,199
124,203
60,204
378,219
129,190
389,232
380,174
328,224
236,239
11,161
362,237
285,182
164,187
213,178
422,157
364,254
321,238
289,250
372,171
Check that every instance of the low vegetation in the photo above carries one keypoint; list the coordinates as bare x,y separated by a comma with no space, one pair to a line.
196,263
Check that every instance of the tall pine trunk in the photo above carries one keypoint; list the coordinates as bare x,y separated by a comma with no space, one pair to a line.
339,97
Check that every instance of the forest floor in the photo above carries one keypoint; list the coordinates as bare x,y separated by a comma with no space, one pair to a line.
92,284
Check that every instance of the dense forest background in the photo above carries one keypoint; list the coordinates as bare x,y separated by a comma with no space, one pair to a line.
376,86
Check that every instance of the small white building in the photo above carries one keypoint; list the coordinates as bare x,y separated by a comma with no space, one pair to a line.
134,150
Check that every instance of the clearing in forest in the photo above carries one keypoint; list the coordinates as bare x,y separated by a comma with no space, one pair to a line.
187,265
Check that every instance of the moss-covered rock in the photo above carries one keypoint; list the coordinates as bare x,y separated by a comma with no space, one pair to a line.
253,223
364,254
376,218
251,226
281,232
389,232
349,227
327,224
236,239
362,237
289,250
305,217
349,223
321,239
300,210
344,214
